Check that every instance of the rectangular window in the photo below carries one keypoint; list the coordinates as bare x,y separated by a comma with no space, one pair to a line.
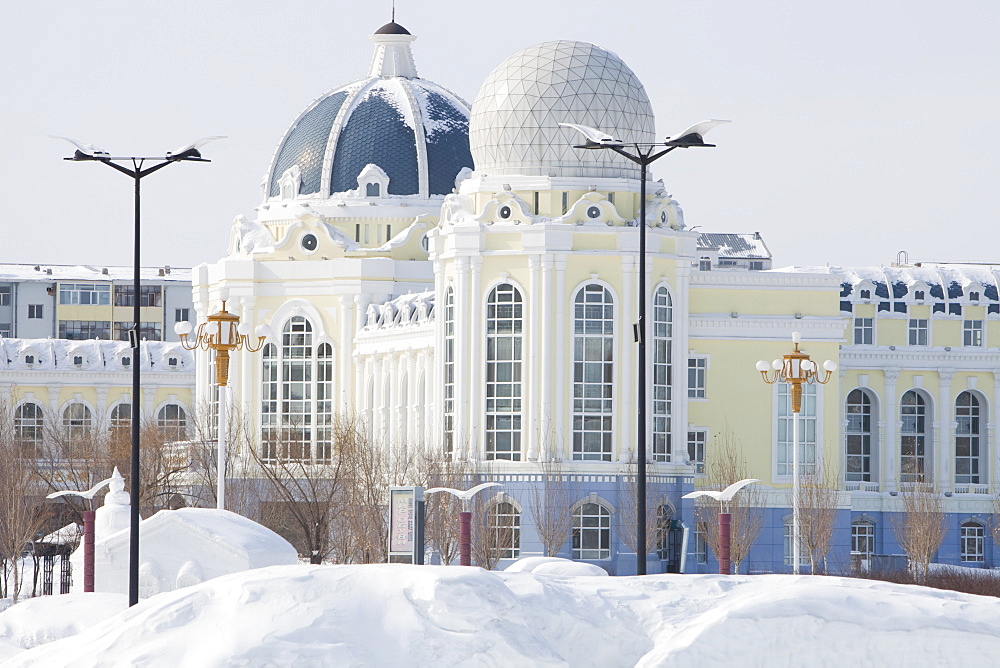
863,538
918,331
705,264
864,331
85,294
700,542
696,449
972,333
697,368
789,534
181,315
807,430
756,265
4,295
81,330
150,331
5,329
149,295
35,310
593,374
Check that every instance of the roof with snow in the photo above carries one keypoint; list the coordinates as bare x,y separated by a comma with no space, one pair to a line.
93,355
742,246
87,272
415,131
940,282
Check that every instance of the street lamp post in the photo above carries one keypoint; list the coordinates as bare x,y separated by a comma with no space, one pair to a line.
643,154
137,172
796,369
223,333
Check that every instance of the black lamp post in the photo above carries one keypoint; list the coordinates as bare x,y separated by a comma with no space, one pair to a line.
137,171
643,153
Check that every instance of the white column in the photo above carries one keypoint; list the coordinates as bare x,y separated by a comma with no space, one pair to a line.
413,417
944,446
681,345
477,384
345,349
562,413
889,452
626,370
546,353
531,391
378,421
246,398
396,429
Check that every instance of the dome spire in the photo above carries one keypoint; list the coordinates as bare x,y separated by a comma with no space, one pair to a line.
392,57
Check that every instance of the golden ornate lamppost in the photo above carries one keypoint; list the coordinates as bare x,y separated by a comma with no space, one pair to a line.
796,369
223,333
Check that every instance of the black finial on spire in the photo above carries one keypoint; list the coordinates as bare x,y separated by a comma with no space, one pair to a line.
393,11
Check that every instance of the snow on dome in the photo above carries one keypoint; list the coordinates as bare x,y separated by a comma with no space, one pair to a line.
411,128
516,114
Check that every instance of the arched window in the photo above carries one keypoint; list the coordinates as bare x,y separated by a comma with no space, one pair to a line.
29,429
449,371
858,437
372,190
914,443
504,523
121,419
593,373
807,430
863,537
77,421
662,374
968,439
664,515
973,541
503,373
296,395
172,421
591,532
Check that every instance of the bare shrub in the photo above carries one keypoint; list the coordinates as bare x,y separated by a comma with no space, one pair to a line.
818,500
550,505
919,529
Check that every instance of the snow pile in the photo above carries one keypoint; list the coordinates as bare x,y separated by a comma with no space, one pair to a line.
383,615
37,621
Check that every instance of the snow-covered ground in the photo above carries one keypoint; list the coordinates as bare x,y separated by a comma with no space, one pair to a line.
544,614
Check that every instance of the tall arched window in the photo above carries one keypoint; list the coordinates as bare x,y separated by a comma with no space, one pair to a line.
858,436
449,371
503,373
591,532
914,443
296,386
968,439
172,421
593,373
504,522
973,541
77,421
807,430
662,374
29,429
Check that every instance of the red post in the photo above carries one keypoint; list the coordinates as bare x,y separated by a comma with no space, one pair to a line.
465,538
724,537
88,551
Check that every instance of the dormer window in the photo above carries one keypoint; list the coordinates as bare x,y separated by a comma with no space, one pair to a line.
78,360
866,294
373,181
126,361
172,361
705,264
973,296
373,190
918,295
29,359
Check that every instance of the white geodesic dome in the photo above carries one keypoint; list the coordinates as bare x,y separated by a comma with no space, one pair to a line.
514,127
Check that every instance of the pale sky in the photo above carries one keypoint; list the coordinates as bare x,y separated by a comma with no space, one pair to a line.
860,128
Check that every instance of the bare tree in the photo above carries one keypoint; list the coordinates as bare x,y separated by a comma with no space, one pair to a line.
550,507
495,533
243,494
20,513
818,501
441,511
303,489
724,465
628,510
919,529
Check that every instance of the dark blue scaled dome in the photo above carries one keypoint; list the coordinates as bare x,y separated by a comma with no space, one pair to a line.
415,131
